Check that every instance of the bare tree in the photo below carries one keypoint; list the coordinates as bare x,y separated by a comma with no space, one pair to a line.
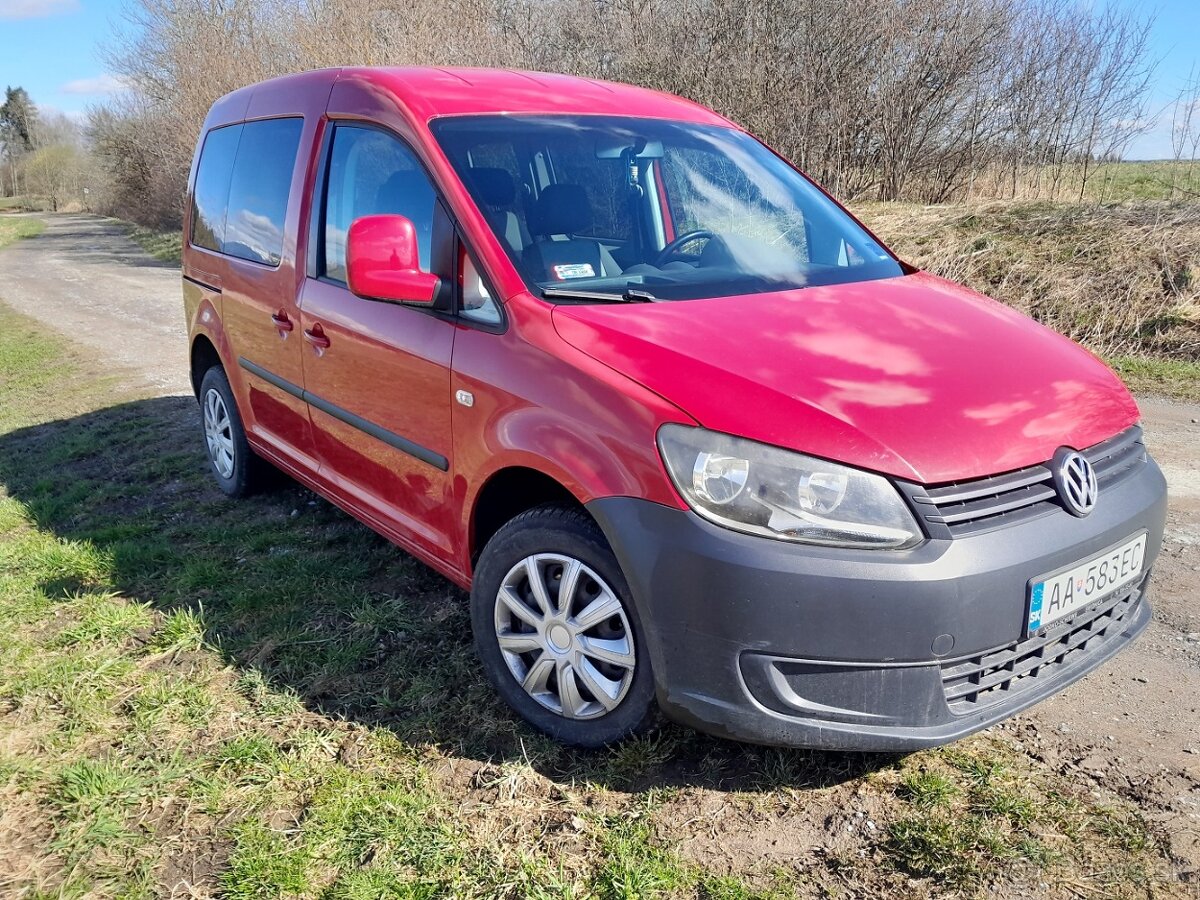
924,99
1185,131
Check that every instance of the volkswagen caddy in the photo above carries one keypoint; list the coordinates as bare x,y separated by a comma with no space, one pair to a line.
692,437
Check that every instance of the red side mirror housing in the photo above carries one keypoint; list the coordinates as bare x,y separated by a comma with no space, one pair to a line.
383,263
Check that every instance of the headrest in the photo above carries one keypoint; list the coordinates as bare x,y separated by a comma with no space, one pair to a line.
405,189
493,187
562,209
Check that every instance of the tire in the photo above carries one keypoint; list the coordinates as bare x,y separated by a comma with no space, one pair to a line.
603,662
239,472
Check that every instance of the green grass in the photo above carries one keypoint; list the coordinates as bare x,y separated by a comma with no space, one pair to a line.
185,678
1145,180
13,228
1175,378
977,811
261,699
163,245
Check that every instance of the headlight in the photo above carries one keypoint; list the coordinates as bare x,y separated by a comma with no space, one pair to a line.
765,490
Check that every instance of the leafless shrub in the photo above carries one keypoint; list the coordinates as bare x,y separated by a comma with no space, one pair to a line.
1185,133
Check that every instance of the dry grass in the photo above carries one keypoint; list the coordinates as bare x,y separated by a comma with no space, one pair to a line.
1123,280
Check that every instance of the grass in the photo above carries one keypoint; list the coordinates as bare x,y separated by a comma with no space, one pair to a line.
263,699
162,245
1145,180
13,228
255,702
1175,378
976,811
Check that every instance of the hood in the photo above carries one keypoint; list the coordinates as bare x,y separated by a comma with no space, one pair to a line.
912,376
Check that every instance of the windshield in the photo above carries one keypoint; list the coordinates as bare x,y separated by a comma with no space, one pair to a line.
604,207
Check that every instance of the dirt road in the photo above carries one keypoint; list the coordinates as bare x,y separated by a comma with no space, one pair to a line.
84,277
1133,726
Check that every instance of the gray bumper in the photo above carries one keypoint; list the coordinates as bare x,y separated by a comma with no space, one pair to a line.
787,644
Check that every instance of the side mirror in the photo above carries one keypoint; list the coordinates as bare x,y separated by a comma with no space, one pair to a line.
383,263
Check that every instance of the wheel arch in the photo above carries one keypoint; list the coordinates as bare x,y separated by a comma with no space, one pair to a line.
203,357
506,494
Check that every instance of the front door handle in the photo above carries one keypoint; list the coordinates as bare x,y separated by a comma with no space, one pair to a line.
316,337
281,321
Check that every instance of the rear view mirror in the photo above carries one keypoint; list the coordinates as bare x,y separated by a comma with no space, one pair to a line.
383,262
647,150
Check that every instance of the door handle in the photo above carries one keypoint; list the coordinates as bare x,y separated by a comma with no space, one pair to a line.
316,337
281,321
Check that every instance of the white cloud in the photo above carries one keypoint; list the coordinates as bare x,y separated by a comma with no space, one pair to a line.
49,111
100,84
36,9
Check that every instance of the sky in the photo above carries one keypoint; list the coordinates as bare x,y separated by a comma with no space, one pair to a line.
52,49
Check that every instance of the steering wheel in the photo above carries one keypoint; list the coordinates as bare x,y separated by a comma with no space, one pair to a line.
672,249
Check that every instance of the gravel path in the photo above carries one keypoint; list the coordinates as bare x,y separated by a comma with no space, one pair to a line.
84,277
1133,726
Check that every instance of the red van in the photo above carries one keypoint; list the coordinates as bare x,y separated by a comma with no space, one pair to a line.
690,435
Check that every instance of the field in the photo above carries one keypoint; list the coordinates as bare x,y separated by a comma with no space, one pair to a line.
264,699
162,245
1122,182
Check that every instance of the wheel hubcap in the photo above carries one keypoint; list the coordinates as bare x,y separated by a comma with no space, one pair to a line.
218,433
564,635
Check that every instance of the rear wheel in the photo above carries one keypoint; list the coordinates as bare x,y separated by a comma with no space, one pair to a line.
237,469
556,629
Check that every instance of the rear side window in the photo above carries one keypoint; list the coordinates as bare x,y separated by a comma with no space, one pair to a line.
372,173
211,191
242,187
258,191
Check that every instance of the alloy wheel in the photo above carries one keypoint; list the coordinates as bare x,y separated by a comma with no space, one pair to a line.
218,433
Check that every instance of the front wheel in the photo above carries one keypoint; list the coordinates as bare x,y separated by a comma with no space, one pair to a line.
557,632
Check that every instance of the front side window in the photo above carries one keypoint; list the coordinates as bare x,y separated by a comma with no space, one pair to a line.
372,173
607,205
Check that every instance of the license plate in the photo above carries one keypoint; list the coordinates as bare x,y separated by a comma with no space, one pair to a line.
1099,577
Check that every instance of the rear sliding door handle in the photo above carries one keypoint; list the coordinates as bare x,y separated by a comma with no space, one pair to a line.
316,337
281,321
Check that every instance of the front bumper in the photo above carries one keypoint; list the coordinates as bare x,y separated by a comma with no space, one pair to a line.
780,643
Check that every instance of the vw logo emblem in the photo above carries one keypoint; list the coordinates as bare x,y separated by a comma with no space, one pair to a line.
1075,481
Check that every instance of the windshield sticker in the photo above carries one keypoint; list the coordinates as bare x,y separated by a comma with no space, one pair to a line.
574,270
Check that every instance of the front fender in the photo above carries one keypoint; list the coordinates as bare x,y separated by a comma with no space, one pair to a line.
540,404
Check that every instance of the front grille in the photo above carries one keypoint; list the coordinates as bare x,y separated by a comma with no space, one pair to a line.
969,507
1001,673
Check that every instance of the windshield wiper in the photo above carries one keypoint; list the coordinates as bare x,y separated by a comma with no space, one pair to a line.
630,295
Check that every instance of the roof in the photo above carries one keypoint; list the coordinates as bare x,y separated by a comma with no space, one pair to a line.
430,92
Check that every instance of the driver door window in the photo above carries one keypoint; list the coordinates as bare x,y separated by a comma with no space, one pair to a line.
371,172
